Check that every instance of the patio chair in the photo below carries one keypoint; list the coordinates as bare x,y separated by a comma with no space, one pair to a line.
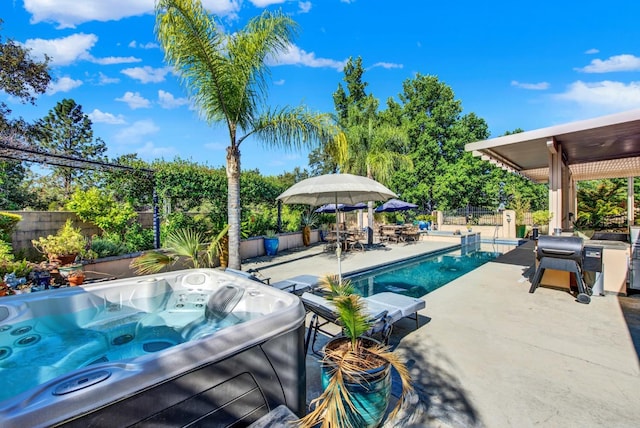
411,233
324,313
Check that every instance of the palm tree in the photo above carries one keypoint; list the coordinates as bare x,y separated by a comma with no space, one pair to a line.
368,146
225,76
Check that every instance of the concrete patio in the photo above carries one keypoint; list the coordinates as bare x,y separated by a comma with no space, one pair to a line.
488,353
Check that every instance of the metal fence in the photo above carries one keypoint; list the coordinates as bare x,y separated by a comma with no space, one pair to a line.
472,216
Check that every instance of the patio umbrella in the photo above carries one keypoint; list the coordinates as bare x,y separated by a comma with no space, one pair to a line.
395,205
331,208
337,189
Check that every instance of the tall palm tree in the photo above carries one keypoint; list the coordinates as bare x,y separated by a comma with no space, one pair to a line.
225,76
369,147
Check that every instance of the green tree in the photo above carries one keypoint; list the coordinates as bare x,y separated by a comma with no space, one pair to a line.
598,199
66,130
225,75
21,77
369,144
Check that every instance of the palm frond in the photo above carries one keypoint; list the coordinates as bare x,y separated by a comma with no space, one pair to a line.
152,262
294,127
354,320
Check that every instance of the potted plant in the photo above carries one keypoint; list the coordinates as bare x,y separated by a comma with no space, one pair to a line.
271,243
424,221
541,219
63,247
308,221
355,369
76,277
520,206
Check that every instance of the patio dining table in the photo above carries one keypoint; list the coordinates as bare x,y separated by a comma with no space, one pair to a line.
399,232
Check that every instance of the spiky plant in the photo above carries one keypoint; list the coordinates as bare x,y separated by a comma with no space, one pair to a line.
182,243
335,408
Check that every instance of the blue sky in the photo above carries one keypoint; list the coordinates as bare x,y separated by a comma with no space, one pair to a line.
514,64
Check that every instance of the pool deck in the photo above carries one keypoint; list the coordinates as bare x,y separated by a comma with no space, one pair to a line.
489,354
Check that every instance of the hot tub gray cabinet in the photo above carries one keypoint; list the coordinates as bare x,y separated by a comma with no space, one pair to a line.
229,377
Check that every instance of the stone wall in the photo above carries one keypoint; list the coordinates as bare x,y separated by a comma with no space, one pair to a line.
35,224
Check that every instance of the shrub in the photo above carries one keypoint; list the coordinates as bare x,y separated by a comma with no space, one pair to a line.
103,210
8,223
542,217
68,240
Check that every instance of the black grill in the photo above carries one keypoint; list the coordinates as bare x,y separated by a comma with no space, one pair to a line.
561,253
560,247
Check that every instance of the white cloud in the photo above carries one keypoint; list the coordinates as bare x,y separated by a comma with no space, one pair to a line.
592,51
106,80
137,131
305,6
541,86
147,74
227,8
65,50
615,63
279,82
115,60
168,101
296,56
149,45
608,94
387,65
63,84
150,150
134,100
69,13
265,3
98,116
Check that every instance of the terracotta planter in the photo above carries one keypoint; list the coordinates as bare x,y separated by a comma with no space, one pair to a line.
65,259
306,236
76,280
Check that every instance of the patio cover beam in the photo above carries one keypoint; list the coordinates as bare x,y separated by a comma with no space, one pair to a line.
561,155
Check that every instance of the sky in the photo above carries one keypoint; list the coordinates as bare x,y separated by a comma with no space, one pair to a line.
515,64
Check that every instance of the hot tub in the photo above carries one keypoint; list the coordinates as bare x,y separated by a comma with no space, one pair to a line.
197,347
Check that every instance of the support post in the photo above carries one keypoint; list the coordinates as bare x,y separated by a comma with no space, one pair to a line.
156,220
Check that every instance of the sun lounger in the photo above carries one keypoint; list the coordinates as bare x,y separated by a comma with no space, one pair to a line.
297,284
383,308
408,306
324,313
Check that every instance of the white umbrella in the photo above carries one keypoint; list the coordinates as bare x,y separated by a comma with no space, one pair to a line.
335,189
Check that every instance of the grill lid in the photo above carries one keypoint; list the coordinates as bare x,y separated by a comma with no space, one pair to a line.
560,247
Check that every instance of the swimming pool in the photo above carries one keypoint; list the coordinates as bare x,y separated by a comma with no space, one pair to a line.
422,275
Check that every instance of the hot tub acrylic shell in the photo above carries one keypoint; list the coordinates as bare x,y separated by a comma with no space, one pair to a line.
233,376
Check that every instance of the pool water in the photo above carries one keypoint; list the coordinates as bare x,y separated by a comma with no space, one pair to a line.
422,275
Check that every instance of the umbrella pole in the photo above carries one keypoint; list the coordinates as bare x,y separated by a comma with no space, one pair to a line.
338,245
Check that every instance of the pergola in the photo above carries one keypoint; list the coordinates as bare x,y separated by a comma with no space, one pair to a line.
13,147
562,155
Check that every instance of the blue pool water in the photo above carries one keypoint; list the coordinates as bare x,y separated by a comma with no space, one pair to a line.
420,276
